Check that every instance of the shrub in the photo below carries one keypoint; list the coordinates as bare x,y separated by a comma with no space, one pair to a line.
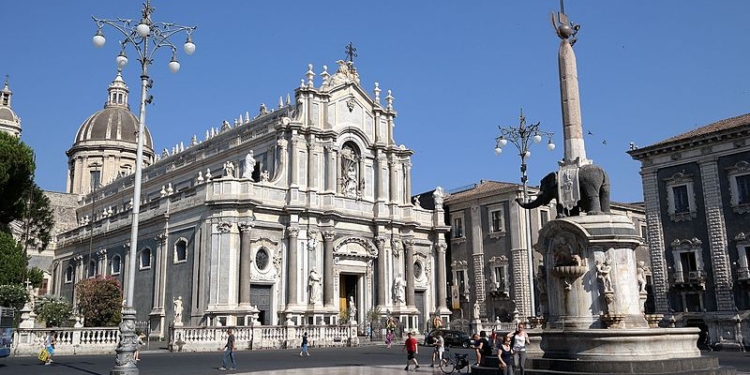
100,301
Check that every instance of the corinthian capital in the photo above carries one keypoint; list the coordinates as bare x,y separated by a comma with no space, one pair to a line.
292,231
440,248
245,226
328,236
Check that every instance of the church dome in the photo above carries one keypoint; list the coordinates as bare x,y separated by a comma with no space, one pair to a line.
7,114
114,123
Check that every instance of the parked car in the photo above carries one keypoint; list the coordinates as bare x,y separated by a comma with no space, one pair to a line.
6,330
451,338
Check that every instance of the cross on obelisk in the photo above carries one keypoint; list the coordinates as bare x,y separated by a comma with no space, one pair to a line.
574,150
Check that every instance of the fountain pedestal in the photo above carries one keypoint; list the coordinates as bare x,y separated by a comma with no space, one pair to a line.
595,322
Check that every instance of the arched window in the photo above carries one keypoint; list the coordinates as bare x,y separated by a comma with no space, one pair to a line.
92,269
69,274
180,251
116,265
145,259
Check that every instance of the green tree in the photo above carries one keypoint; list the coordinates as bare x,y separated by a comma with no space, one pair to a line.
36,225
13,296
35,276
13,260
100,301
16,178
54,311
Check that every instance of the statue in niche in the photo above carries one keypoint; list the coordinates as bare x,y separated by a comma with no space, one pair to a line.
564,253
249,165
315,289
178,311
349,172
352,309
229,169
641,276
603,270
398,289
477,310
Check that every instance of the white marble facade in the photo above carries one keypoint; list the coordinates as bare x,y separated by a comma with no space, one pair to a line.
329,190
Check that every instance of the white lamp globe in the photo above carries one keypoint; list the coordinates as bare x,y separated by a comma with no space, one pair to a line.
189,47
498,150
502,141
527,154
550,145
99,39
537,138
174,66
122,60
143,29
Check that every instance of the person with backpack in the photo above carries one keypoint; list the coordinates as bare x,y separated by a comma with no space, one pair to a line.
519,340
482,346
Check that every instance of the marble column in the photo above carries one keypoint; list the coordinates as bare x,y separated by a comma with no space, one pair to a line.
245,262
294,161
293,269
407,194
393,164
328,237
409,246
382,285
159,274
441,273
331,169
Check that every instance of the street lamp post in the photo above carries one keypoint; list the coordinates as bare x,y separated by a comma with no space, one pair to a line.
520,137
146,37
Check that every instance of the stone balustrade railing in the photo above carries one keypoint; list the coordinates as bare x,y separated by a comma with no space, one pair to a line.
206,338
88,340
95,340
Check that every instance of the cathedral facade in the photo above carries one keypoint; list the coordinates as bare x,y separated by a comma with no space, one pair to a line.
301,214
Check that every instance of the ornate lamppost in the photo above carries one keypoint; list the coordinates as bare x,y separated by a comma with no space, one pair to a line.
520,137
146,37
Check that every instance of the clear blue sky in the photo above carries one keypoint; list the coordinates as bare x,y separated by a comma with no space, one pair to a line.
458,69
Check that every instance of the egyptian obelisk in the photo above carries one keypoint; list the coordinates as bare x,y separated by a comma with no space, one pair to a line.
575,152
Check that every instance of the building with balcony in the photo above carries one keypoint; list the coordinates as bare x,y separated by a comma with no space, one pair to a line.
696,187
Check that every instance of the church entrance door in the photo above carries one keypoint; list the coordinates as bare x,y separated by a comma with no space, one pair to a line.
347,288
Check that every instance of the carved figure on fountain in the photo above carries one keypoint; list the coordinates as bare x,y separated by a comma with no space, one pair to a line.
593,191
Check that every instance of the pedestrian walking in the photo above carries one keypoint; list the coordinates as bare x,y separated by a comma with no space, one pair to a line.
518,341
141,342
505,354
305,345
49,345
228,352
410,345
439,345
389,338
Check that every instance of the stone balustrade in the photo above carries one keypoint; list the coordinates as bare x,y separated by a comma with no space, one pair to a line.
96,340
93,340
195,339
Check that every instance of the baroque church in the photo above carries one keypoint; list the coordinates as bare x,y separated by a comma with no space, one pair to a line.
295,215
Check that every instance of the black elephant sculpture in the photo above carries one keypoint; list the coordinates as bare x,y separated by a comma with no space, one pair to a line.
594,188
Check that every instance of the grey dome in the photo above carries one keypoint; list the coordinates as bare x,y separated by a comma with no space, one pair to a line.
7,114
113,123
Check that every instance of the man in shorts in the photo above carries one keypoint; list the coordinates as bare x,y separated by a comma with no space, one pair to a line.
410,345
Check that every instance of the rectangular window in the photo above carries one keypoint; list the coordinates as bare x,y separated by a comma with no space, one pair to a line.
461,282
743,189
95,179
497,221
681,201
500,277
644,233
544,216
458,227
688,262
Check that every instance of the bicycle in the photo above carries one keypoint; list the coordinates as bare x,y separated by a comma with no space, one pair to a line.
453,364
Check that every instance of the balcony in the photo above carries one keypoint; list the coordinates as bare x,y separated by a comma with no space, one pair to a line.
689,280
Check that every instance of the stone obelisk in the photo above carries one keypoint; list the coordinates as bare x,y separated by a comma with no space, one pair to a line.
575,152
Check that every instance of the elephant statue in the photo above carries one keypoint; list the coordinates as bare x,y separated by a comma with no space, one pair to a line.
594,188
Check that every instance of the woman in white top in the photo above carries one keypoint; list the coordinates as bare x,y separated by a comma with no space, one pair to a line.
519,340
